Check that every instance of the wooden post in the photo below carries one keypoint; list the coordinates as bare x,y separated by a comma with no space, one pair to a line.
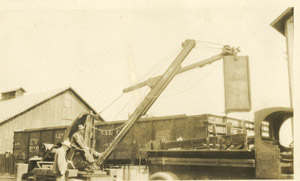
289,34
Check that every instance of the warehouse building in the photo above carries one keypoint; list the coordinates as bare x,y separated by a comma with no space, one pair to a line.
52,108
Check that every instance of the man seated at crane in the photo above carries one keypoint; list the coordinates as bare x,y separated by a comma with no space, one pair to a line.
77,142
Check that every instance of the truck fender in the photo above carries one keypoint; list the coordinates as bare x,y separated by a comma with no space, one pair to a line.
163,176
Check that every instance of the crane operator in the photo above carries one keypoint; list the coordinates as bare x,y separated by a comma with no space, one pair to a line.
77,142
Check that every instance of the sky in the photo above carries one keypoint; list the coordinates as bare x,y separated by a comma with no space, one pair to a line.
101,48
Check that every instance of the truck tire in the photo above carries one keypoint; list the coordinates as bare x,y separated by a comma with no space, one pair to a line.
163,176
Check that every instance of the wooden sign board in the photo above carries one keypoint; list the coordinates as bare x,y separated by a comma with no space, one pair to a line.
237,84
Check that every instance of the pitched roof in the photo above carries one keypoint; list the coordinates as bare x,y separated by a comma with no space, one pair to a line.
15,89
13,107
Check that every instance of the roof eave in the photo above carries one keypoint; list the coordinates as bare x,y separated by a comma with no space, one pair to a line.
279,22
12,90
83,101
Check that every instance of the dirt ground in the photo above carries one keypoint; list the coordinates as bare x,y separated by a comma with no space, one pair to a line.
116,174
130,173
7,178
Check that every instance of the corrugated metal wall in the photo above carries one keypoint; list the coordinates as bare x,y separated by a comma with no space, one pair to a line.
60,110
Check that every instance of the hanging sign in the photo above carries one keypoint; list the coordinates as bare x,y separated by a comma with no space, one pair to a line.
237,84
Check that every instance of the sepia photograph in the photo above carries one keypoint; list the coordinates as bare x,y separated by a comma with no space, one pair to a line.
147,90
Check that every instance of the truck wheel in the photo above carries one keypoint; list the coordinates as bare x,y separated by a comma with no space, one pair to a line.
163,176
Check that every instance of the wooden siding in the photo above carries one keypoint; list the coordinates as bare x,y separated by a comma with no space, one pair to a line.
59,110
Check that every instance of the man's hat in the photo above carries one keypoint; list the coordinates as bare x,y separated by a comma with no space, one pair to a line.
80,127
67,143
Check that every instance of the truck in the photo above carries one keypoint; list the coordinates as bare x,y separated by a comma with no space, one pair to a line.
234,156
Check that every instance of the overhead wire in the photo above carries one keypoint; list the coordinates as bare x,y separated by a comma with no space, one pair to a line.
207,42
161,63
209,47
189,88
167,59
110,103
200,48
122,109
210,50
181,92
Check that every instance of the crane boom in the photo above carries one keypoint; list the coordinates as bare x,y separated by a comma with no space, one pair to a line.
151,97
151,81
